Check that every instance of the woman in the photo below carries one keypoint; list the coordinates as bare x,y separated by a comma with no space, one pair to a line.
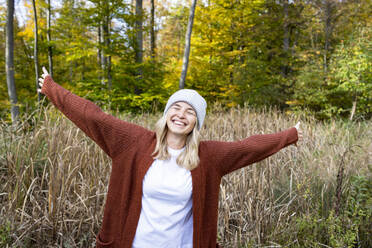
164,185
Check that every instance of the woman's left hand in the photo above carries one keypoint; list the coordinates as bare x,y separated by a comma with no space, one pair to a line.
299,132
41,80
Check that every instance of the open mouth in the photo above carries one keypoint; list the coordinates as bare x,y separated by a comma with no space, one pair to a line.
179,123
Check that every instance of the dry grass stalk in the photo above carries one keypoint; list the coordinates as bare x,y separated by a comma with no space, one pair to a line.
53,179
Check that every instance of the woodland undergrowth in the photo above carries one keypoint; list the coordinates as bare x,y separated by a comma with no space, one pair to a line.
53,182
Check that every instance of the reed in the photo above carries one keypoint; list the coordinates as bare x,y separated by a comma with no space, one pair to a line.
53,179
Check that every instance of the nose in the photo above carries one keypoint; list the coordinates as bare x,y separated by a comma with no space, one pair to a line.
181,113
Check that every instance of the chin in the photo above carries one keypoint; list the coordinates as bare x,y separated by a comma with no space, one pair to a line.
180,132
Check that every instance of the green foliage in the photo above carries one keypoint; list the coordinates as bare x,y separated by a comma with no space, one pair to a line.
352,228
352,70
237,55
122,97
332,94
359,209
5,232
315,231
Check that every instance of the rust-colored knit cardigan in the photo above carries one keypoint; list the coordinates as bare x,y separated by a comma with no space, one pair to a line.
130,147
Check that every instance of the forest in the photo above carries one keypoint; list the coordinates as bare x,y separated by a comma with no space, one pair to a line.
262,66
311,57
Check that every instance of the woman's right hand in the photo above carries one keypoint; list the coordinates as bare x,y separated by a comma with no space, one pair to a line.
41,80
299,132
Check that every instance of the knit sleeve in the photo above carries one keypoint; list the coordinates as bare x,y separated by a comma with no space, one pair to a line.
230,156
111,134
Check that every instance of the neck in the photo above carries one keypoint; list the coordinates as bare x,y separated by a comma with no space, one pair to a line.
175,141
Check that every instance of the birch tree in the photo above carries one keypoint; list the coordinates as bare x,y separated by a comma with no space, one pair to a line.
49,38
139,42
105,32
9,57
186,54
152,29
36,59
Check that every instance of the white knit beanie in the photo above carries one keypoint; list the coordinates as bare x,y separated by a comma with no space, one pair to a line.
191,97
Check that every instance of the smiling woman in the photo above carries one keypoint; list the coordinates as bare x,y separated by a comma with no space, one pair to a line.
181,119
164,185
179,127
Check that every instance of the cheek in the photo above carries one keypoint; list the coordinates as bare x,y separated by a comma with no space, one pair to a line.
193,121
169,122
168,116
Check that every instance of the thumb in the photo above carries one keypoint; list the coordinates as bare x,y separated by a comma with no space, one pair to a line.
297,125
45,70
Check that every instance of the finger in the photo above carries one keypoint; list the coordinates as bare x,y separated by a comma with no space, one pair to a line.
41,85
41,80
39,90
45,71
300,135
297,125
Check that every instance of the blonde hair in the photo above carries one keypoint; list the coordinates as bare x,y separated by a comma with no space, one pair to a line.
189,158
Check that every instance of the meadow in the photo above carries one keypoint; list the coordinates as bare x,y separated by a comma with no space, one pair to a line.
53,182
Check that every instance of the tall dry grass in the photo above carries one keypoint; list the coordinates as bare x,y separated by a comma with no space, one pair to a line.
53,179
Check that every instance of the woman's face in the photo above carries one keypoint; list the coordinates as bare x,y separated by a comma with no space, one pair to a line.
181,118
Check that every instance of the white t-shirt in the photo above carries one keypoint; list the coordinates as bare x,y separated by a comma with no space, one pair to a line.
166,215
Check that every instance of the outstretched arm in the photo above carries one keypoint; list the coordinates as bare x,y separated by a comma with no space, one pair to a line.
111,134
230,156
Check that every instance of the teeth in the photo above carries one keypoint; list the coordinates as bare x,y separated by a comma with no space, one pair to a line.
179,123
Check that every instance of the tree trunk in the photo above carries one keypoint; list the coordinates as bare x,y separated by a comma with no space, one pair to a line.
49,38
139,44
9,57
104,42
352,113
36,59
285,68
329,8
99,51
103,58
186,54
108,58
152,29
